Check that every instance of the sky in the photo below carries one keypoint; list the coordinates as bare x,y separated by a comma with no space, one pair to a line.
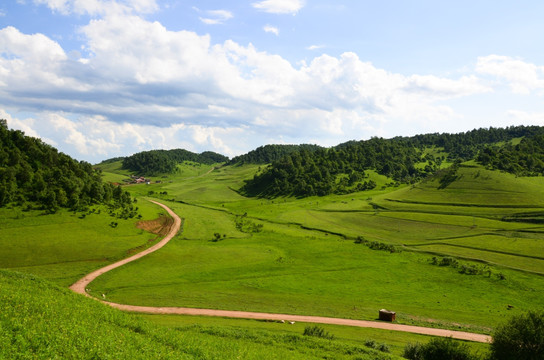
104,78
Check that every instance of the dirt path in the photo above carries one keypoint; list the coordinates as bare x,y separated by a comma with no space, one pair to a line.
81,285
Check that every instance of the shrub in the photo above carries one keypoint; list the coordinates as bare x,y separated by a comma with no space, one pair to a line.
449,261
317,331
438,349
360,240
521,337
470,270
216,237
412,351
380,347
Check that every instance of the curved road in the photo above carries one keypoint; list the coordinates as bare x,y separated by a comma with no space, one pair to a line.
80,286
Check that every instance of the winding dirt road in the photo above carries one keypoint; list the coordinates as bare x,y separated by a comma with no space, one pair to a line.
81,285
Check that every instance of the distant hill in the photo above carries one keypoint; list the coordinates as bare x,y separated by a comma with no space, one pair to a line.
156,162
270,153
341,169
33,173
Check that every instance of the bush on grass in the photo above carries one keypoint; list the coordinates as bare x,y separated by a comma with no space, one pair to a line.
438,349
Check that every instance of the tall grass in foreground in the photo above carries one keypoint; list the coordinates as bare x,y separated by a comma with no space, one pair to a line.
40,320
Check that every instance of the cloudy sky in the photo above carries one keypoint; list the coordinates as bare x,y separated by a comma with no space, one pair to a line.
105,78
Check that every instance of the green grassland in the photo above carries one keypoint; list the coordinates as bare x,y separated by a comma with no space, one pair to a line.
114,172
300,256
65,246
40,320
305,261
394,340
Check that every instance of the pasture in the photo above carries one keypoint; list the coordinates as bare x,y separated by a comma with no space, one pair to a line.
303,256
41,320
305,259
63,247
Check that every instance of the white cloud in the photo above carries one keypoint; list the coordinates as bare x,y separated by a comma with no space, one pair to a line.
100,7
438,87
315,47
141,86
216,17
95,138
271,29
280,6
34,48
29,63
522,77
527,118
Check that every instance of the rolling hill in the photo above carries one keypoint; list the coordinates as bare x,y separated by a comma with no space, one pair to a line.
444,233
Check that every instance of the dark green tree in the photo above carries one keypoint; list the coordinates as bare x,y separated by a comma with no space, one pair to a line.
521,337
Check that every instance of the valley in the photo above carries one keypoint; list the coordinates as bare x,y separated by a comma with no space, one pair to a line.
457,249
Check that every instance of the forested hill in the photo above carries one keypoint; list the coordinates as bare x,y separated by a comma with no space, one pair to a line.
164,161
523,159
269,153
343,169
34,174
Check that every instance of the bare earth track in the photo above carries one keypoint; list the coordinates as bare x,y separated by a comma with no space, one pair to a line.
81,285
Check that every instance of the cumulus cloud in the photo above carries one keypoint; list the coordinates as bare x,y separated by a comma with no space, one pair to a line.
271,29
279,6
94,138
522,77
216,17
141,86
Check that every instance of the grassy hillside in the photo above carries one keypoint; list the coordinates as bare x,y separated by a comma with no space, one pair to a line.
41,320
461,249
64,246
306,259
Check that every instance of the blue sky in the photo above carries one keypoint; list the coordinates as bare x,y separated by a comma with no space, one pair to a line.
105,78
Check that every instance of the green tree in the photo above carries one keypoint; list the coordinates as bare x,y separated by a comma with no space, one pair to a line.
521,337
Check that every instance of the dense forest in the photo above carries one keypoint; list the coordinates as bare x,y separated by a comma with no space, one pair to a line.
156,162
269,153
341,169
523,159
34,174
337,170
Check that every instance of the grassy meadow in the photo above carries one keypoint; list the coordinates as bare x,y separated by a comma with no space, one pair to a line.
63,247
40,320
462,257
305,260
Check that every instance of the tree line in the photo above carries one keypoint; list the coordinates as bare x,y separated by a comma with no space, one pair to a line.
269,153
342,169
34,174
155,162
337,170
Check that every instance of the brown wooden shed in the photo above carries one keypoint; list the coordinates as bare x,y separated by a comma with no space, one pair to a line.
386,315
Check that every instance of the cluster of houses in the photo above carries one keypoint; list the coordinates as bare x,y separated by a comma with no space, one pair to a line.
139,180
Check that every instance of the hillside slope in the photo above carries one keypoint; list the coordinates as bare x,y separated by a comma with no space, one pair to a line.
34,174
40,320
344,168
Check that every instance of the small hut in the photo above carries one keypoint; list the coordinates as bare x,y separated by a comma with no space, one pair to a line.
386,315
